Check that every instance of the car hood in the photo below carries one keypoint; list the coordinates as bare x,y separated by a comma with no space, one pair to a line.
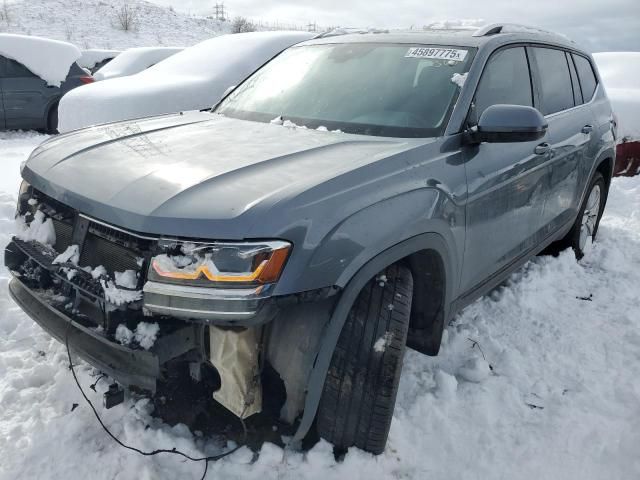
195,175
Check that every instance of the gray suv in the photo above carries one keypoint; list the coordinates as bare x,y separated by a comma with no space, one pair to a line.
27,102
342,203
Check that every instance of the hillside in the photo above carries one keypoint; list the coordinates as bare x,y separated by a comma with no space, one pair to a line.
95,23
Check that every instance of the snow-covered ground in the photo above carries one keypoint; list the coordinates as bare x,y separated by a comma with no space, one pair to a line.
95,24
562,400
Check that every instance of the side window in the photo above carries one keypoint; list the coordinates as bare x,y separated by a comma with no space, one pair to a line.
587,77
505,80
555,80
16,69
577,92
3,62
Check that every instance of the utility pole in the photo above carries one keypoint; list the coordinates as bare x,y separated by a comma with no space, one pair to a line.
220,15
312,27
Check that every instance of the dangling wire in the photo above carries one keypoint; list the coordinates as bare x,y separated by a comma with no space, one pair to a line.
173,451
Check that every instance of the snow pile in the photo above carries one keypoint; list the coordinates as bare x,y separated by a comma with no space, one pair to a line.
92,57
620,72
134,60
39,230
48,59
145,334
98,272
126,279
70,255
459,79
94,24
193,79
123,335
119,296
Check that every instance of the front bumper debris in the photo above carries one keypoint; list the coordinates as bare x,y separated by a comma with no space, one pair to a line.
129,367
74,309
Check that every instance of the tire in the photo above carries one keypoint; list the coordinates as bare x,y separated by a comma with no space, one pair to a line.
52,120
580,234
360,390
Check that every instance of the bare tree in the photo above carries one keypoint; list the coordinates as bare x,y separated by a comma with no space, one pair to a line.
242,25
127,17
4,13
69,31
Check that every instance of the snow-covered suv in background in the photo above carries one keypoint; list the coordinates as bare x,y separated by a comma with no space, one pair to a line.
342,203
34,74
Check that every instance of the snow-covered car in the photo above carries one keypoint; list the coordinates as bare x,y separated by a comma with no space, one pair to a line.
620,73
34,74
135,60
193,79
95,58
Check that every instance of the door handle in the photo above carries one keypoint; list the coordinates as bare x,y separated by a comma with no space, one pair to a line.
587,129
542,149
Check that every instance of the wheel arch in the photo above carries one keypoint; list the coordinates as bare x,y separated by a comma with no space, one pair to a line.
51,105
431,244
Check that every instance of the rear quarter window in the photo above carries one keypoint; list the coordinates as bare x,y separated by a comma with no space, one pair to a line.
16,69
587,77
555,80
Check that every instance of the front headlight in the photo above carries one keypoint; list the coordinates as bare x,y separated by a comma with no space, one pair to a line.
220,264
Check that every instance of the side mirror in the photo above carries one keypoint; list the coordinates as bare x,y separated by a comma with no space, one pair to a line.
510,123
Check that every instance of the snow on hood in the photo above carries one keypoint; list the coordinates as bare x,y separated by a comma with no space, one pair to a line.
620,73
48,59
193,79
134,60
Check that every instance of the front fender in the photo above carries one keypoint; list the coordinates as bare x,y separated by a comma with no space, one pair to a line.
331,333
351,244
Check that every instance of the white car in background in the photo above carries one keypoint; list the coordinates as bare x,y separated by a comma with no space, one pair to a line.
193,79
94,59
134,60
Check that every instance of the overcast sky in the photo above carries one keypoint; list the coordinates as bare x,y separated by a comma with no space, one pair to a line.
596,24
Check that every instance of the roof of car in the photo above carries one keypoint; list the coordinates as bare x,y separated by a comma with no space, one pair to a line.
458,37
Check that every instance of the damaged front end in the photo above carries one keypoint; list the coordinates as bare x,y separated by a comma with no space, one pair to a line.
138,307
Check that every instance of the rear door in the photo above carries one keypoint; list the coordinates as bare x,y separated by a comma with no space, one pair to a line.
2,73
571,135
26,97
507,182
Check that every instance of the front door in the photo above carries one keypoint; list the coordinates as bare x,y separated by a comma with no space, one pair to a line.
507,182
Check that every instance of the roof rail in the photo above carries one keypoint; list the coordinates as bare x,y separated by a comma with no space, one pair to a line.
495,28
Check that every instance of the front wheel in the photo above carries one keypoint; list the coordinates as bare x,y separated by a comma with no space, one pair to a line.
584,230
360,390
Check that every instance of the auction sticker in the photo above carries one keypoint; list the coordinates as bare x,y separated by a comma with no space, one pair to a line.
437,53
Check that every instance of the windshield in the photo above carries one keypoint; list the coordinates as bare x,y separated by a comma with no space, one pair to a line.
368,89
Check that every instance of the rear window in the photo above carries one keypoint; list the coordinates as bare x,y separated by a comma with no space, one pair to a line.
577,91
555,80
16,69
587,77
